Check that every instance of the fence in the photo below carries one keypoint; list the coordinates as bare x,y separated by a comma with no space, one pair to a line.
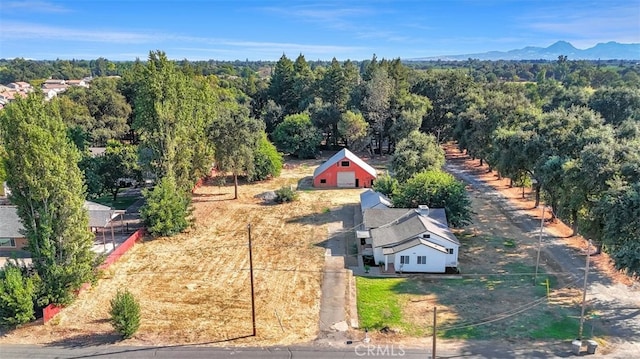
51,310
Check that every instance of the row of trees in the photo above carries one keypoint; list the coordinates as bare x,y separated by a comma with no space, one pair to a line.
578,147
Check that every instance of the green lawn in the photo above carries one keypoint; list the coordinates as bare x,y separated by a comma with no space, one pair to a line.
483,307
379,304
122,202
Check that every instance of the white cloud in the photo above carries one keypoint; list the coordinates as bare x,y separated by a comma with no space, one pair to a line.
17,30
33,6
588,24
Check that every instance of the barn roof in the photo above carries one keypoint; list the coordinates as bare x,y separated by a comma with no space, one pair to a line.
345,153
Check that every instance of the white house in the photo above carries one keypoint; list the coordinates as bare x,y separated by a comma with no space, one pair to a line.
410,240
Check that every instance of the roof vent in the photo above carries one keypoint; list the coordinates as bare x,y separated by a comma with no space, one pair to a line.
423,210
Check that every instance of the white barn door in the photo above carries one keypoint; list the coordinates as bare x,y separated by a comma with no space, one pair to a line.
346,179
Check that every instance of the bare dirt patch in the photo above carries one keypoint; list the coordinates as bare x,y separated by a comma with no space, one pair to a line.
194,288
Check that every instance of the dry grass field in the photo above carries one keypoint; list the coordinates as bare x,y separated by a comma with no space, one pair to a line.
194,288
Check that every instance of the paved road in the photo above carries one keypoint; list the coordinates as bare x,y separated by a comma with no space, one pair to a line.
356,350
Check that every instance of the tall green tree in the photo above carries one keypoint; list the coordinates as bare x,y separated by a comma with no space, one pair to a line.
416,153
354,130
118,162
437,189
172,116
236,137
619,209
47,188
376,103
298,136
281,86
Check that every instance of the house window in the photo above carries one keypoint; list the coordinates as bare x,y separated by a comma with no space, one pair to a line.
426,235
404,259
7,242
323,181
422,259
450,250
344,163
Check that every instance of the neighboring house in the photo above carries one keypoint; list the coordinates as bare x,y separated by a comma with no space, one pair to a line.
345,170
54,82
11,239
55,87
371,199
20,86
78,83
409,240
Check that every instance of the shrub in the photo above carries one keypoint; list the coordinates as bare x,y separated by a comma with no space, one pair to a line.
125,314
16,297
285,194
167,209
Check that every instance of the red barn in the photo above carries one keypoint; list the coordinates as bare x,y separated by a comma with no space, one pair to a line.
344,169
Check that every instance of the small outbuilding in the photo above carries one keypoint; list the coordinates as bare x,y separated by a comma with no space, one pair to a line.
344,170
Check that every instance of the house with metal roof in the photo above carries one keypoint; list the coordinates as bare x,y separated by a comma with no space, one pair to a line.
344,170
371,199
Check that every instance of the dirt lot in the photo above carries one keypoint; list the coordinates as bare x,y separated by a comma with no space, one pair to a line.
194,288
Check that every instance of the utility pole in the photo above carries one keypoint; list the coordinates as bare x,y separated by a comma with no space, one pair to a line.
253,299
584,290
535,278
433,349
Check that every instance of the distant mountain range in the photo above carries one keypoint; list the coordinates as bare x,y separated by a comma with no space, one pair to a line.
602,51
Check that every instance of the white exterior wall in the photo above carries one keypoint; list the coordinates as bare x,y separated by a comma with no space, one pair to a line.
452,259
436,260
378,256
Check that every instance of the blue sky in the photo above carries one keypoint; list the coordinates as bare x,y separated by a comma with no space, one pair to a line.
264,30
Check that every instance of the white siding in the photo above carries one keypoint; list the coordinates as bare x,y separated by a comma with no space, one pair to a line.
378,256
436,260
452,259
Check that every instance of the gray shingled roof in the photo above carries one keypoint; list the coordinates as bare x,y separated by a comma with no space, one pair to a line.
10,224
344,153
375,217
409,226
